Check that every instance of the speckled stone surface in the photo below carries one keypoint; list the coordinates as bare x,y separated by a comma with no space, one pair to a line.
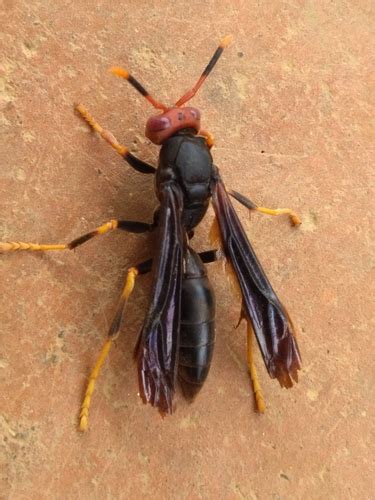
290,106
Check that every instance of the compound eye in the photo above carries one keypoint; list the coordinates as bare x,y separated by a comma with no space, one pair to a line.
157,123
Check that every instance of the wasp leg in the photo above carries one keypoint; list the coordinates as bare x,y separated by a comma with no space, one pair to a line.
113,333
294,218
130,226
259,400
209,138
123,151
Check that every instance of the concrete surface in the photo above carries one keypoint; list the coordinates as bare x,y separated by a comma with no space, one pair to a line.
290,107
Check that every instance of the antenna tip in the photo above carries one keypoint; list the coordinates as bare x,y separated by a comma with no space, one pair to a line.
227,40
122,73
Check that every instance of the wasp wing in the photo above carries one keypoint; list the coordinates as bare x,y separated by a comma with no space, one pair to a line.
159,338
271,323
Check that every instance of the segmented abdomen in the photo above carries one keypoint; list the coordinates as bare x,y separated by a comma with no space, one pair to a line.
197,332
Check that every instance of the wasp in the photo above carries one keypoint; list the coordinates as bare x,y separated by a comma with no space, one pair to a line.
177,338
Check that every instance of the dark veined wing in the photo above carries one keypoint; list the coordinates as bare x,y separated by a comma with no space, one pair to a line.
159,338
271,323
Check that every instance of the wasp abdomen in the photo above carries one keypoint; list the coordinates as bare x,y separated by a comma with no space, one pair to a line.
197,334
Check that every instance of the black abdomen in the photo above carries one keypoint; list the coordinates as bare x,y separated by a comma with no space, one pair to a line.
197,333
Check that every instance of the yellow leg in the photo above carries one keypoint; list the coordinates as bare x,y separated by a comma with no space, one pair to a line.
134,162
112,335
13,246
84,414
208,137
105,134
260,403
294,218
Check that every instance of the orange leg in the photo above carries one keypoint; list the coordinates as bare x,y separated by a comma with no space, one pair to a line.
259,400
208,137
112,335
122,150
130,226
12,246
294,218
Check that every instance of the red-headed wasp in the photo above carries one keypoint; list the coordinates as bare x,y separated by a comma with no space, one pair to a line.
177,338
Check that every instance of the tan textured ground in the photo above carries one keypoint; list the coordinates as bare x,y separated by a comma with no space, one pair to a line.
290,107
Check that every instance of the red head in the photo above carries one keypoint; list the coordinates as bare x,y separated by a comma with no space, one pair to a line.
160,127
